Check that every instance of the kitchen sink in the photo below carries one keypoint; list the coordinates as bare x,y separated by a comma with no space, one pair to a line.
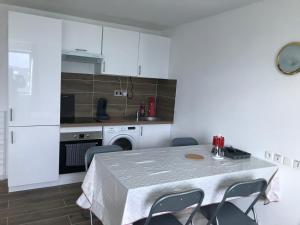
149,118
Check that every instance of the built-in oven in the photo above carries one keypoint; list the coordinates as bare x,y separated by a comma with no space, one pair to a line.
73,147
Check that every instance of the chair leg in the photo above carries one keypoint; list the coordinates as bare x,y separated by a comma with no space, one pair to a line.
91,217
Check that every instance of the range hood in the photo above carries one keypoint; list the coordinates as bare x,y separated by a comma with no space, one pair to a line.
81,56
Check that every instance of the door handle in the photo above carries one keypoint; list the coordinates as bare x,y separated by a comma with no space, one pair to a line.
140,70
81,50
103,65
142,129
11,114
12,137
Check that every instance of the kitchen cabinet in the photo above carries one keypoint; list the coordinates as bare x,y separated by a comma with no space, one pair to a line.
81,37
120,52
34,70
34,98
153,56
156,135
33,155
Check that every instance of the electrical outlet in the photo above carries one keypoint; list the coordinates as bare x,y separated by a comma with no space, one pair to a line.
268,155
287,161
296,164
277,158
120,93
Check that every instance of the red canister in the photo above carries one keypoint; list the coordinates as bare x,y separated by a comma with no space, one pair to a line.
151,109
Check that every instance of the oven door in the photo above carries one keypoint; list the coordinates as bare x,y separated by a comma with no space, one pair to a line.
72,154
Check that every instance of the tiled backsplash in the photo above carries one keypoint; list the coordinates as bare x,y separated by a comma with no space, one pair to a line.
89,88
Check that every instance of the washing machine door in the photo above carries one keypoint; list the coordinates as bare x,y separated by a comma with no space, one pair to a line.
125,142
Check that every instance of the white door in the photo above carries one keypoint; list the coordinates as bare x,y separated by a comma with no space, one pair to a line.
81,37
33,155
154,54
152,136
34,70
120,52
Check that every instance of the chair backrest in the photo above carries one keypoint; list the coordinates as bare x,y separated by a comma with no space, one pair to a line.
89,155
177,202
185,141
243,189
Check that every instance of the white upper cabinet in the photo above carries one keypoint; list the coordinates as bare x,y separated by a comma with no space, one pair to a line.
34,70
154,56
120,52
81,37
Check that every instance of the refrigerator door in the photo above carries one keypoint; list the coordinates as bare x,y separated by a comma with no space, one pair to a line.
34,70
33,155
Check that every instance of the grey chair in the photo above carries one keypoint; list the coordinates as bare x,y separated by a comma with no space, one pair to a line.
226,213
185,141
173,203
89,155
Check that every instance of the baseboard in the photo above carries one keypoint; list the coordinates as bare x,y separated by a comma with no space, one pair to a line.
63,179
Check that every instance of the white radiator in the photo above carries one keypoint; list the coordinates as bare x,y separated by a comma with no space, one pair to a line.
2,144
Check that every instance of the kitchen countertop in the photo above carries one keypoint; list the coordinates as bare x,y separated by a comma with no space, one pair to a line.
84,122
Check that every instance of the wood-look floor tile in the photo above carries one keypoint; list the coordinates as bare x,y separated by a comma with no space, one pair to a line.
31,208
88,223
79,217
3,221
42,215
71,199
3,205
30,194
53,221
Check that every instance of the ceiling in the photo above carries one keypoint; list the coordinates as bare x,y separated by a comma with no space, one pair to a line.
149,14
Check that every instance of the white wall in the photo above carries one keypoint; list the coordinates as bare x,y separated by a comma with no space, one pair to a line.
228,84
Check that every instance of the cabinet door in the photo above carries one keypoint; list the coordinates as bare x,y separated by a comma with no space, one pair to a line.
34,70
154,136
120,51
154,56
33,155
81,37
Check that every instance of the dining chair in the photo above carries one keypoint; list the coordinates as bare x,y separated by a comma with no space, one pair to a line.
184,141
173,203
226,213
89,155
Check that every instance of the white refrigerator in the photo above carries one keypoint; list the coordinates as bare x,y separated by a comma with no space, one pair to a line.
34,99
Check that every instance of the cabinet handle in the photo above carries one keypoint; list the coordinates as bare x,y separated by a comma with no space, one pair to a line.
140,70
142,128
12,137
11,114
103,64
81,50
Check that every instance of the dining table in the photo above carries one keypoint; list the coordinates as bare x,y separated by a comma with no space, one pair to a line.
120,187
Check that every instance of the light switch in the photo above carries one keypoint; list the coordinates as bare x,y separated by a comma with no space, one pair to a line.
268,155
277,158
287,161
296,164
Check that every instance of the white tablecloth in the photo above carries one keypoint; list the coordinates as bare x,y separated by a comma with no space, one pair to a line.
121,187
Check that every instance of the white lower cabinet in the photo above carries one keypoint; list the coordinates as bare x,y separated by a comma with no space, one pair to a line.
33,155
156,135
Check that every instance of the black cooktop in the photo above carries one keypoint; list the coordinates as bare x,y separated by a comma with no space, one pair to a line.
79,120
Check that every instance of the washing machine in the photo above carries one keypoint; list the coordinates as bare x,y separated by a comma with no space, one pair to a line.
124,136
